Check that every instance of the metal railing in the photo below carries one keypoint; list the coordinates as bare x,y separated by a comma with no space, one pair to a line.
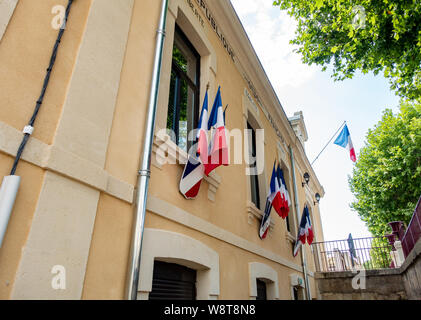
413,232
353,254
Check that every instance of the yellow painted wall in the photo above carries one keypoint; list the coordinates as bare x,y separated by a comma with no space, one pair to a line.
109,250
26,47
25,51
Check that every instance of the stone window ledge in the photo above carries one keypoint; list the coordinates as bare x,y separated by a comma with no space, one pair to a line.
289,237
254,213
165,151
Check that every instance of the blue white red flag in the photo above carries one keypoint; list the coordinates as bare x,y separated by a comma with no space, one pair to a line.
194,171
305,232
218,149
344,140
192,178
274,196
286,201
265,223
202,134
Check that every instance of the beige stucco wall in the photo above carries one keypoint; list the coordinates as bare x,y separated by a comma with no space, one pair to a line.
94,114
25,50
227,212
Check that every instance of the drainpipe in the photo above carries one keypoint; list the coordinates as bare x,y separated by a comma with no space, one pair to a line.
145,169
297,209
8,191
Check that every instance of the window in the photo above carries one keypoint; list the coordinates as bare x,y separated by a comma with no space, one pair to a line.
298,293
173,282
183,106
295,291
288,223
254,179
261,290
263,282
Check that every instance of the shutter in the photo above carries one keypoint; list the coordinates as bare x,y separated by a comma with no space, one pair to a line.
173,282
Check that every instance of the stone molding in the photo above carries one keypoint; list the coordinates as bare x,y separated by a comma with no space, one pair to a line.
7,7
165,151
268,275
171,247
53,158
173,213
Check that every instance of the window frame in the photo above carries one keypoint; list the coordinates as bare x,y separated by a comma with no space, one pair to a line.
254,179
181,75
261,289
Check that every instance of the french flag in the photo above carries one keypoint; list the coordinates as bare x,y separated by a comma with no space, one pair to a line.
305,232
218,149
286,202
344,140
202,134
194,171
274,196
192,178
265,223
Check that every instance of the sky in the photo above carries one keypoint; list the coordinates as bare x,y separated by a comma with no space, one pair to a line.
326,104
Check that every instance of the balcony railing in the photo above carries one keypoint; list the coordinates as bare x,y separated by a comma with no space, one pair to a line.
413,232
353,254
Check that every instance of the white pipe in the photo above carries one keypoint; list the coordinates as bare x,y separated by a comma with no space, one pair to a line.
8,191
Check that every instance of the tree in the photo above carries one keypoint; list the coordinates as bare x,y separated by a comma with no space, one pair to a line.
367,35
386,179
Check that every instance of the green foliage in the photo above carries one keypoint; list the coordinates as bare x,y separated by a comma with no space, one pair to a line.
386,179
367,35
380,254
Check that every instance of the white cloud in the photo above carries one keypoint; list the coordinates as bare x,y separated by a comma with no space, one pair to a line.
270,31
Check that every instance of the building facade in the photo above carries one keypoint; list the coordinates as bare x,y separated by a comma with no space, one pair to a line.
70,232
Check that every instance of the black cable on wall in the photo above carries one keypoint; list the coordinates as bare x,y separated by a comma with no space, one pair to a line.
30,127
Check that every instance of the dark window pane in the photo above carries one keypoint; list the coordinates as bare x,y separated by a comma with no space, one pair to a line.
173,282
182,119
183,104
261,290
171,117
179,58
296,293
254,179
185,56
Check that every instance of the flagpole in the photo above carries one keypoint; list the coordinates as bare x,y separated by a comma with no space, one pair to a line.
329,142
297,209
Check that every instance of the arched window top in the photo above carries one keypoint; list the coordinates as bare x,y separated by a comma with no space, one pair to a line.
263,272
171,247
